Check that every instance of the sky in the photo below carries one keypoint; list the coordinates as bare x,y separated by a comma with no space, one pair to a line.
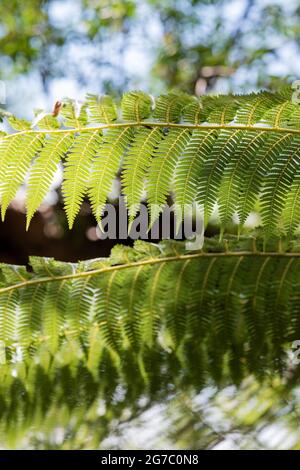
25,93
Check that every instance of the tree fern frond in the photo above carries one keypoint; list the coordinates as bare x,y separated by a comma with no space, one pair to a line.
77,172
188,170
258,169
213,168
101,109
43,169
74,113
18,167
136,165
146,320
220,291
277,184
235,173
136,106
8,152
169,108
105,166
230,153
162,168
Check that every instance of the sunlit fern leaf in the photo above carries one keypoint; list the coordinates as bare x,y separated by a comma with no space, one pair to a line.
277,306
162,169
277,116
131,304
213,168
43,169
101,109
220,109
77,172
253,132
136,164
74,113
79,305
255,106
18,124
18,168
46,121
193,112
8,151
188,170
234,173
256,320
258,169
108,310
30,319
291,210
151,309
136,106
277,184
137,324
176,314
54,311
105,166
169,108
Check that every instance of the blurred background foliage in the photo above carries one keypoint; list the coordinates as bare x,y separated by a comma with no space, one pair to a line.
61,46
55,48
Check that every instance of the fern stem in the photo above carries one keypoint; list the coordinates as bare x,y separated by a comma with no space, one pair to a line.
161,125
151,261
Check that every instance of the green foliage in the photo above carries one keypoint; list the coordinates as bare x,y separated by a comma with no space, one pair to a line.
210,307
144,323
152,319
233,151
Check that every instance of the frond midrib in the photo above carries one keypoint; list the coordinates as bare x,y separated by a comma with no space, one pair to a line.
151,261
159,124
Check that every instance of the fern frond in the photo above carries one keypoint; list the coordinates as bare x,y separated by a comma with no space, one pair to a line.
43,169
188,170
101,109
150,295
136,106
258,169
105,166
136,165
213,168
18,167
145,320
277,184
231,152
162,168
77,172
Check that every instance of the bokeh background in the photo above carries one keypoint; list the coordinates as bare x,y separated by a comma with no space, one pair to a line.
50,49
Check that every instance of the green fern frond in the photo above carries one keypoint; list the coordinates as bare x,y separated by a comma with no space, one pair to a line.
18,167
219,290
213,169
43,169
278,183
101,109
105,166
231,152
137,161
162,169
77,172
136,106
190,165
145,320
